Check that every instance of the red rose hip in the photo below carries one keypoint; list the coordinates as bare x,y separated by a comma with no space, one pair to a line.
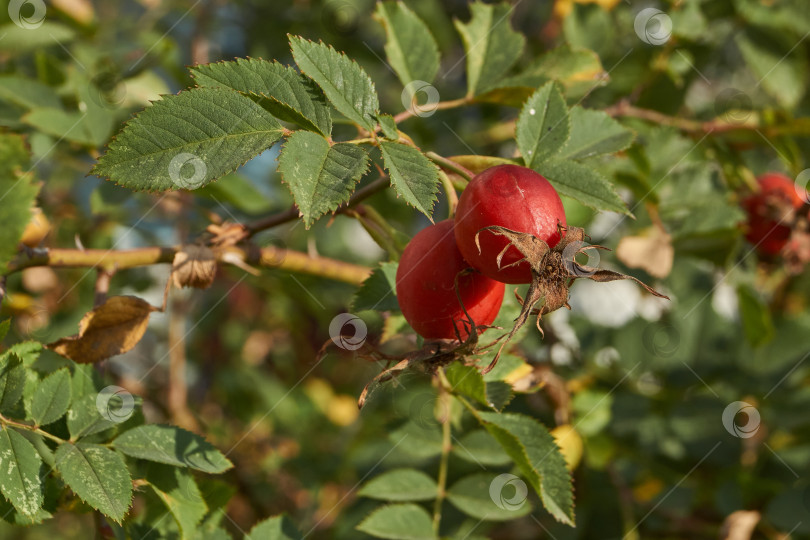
774,200
513,197
425,286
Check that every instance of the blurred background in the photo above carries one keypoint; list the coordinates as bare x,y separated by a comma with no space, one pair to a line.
646,385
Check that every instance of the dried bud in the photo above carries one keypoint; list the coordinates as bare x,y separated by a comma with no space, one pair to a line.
194,266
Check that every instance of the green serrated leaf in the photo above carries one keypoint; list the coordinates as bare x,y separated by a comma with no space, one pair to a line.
467,381
12,516
378,291
499,394
543,125
584,184
40,446
84,417
594,133
410,48
535,453
51,398
321,176
399,522
20,482
401,485
388,126
178,491
98,476
413,175
343,81
288,95
490,497
480,447
12,380
274,528
187,140
28,351
491,44
17,194
32,382
173,446
85,381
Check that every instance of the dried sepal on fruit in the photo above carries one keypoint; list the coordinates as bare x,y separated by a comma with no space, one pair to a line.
553,272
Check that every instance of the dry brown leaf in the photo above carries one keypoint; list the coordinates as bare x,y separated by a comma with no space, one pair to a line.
194,266
740,525
652,252
112,328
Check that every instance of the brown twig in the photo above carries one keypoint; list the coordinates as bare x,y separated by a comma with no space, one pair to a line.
177,395
717,125
292,214
625,109
103,279
450,165
285,259
19,425
410,113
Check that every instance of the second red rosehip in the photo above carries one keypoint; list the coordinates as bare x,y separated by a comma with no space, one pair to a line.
513,197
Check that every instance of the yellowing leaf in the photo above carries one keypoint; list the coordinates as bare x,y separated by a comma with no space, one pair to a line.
570,443
112,328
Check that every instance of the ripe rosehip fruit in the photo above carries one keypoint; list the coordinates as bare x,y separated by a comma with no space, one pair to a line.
766,208
513,197
426,286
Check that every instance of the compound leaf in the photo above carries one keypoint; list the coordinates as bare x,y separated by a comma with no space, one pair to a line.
187,140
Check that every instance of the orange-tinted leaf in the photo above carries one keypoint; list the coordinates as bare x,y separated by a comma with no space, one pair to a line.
110,329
